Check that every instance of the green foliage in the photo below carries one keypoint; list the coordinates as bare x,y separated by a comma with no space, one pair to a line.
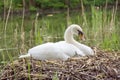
55,77
74,3
1,4
97,2
52,3
32,8
17,4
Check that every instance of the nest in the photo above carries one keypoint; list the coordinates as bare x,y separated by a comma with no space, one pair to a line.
102,66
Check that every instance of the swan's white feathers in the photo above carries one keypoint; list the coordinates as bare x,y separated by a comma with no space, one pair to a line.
75,28
69,49
85,49
59,50
47,51
24,56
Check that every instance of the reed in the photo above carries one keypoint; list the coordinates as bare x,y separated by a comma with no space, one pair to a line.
110,36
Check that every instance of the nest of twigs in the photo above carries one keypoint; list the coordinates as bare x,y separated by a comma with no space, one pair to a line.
102,66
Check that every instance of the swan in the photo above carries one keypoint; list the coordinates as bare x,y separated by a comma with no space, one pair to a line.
50,51
63,49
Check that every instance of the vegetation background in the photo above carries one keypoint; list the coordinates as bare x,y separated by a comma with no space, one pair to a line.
26,23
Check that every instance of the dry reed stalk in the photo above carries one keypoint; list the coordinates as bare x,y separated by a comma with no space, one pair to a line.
31,38
35,28
104,19
68,13
32,34
6,22
83,15
36,21
15,36
112,22
23,50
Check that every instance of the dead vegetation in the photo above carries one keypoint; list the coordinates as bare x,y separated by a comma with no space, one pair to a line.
102,66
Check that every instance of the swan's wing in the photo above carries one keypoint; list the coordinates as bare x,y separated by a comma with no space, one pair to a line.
87,50
69,49
84,48
40,48
47,51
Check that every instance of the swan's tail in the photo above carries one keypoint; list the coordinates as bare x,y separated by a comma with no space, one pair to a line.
24,56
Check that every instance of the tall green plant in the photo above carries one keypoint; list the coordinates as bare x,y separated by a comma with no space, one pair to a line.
38,38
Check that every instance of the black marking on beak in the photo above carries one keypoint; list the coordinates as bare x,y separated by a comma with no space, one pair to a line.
81,35
80,32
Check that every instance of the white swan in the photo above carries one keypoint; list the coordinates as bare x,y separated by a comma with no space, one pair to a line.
61,50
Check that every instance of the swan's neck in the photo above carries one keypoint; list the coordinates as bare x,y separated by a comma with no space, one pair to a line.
68,36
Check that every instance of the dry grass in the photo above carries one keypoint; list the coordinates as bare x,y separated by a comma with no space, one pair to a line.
102,66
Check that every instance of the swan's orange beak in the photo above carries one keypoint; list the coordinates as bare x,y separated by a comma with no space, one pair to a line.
82,37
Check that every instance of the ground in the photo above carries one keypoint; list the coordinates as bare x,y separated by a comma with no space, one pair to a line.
103,66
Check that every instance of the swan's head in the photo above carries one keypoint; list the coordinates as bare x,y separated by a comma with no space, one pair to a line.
77,30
